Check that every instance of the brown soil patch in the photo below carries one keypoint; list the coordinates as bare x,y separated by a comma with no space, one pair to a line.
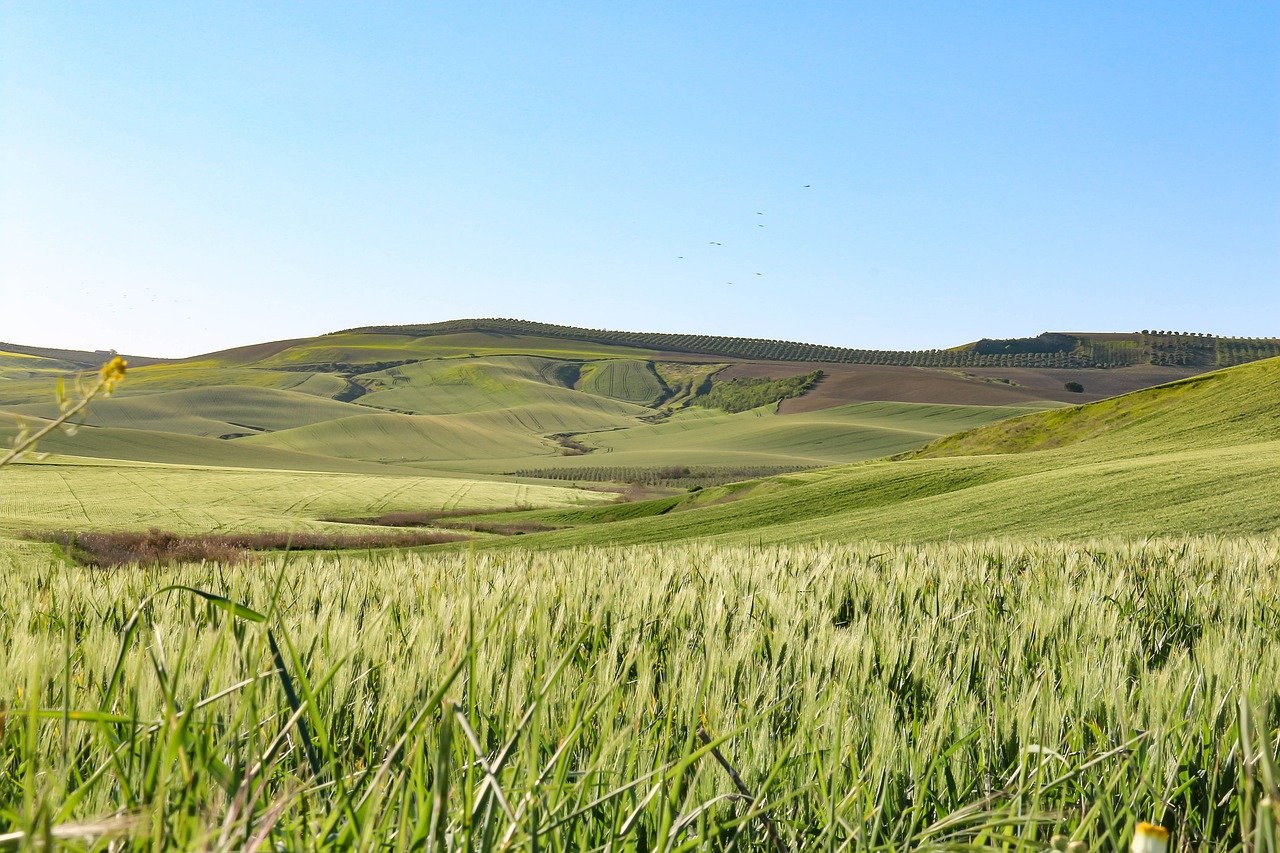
843,384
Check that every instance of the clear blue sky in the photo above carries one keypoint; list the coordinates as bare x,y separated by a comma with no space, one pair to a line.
180,177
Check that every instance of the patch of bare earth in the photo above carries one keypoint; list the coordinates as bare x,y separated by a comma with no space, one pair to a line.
843,384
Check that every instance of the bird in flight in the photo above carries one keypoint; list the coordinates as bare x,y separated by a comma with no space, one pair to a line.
806,186
714,243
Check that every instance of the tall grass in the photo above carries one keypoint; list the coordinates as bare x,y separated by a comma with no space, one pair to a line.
976,696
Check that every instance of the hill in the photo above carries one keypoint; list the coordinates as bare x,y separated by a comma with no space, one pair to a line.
501,397
1200,455
1049,349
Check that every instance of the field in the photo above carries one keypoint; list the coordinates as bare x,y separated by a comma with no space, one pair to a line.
1198,456
981,621
976,696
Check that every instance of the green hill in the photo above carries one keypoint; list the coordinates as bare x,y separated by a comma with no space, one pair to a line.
1227,407
1197,456
214,411
1049,349
499,396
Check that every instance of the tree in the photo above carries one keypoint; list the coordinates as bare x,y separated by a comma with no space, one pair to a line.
1074,387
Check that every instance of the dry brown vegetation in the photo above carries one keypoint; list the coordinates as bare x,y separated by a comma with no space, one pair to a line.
161,547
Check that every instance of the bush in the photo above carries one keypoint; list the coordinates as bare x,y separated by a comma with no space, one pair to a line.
739,395
1074,387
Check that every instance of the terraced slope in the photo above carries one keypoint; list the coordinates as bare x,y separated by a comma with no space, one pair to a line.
1196,456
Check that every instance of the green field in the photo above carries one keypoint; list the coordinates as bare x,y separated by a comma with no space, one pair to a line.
943,697
1197,456
947,626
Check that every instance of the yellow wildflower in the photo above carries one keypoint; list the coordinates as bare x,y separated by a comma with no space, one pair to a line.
112,372
1149,838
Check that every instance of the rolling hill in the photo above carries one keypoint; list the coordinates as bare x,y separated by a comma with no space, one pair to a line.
987,448
1200,455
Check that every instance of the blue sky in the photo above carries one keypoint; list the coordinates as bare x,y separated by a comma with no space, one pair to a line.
180,177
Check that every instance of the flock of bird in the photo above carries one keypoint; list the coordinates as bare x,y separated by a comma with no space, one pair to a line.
758,225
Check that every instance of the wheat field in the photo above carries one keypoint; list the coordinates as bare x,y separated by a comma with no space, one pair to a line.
981,696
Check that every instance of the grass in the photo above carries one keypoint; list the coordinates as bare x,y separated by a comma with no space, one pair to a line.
980,696
467,386
1197,456
1226,407
211,411
623,379
116,497
761,437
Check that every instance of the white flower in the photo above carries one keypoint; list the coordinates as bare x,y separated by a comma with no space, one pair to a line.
1149,838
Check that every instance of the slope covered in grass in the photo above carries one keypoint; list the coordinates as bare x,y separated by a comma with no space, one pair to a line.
1232,406
21,365
623,379
151,379
112,496
212,411
461,386
500,434
143,445
763,437
1199,456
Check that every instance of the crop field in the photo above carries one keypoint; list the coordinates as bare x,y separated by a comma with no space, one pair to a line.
966,696
761,437
623,379
115,496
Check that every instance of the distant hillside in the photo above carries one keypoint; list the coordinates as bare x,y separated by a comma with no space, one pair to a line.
1233,406
1196,456
76,359
1048,350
